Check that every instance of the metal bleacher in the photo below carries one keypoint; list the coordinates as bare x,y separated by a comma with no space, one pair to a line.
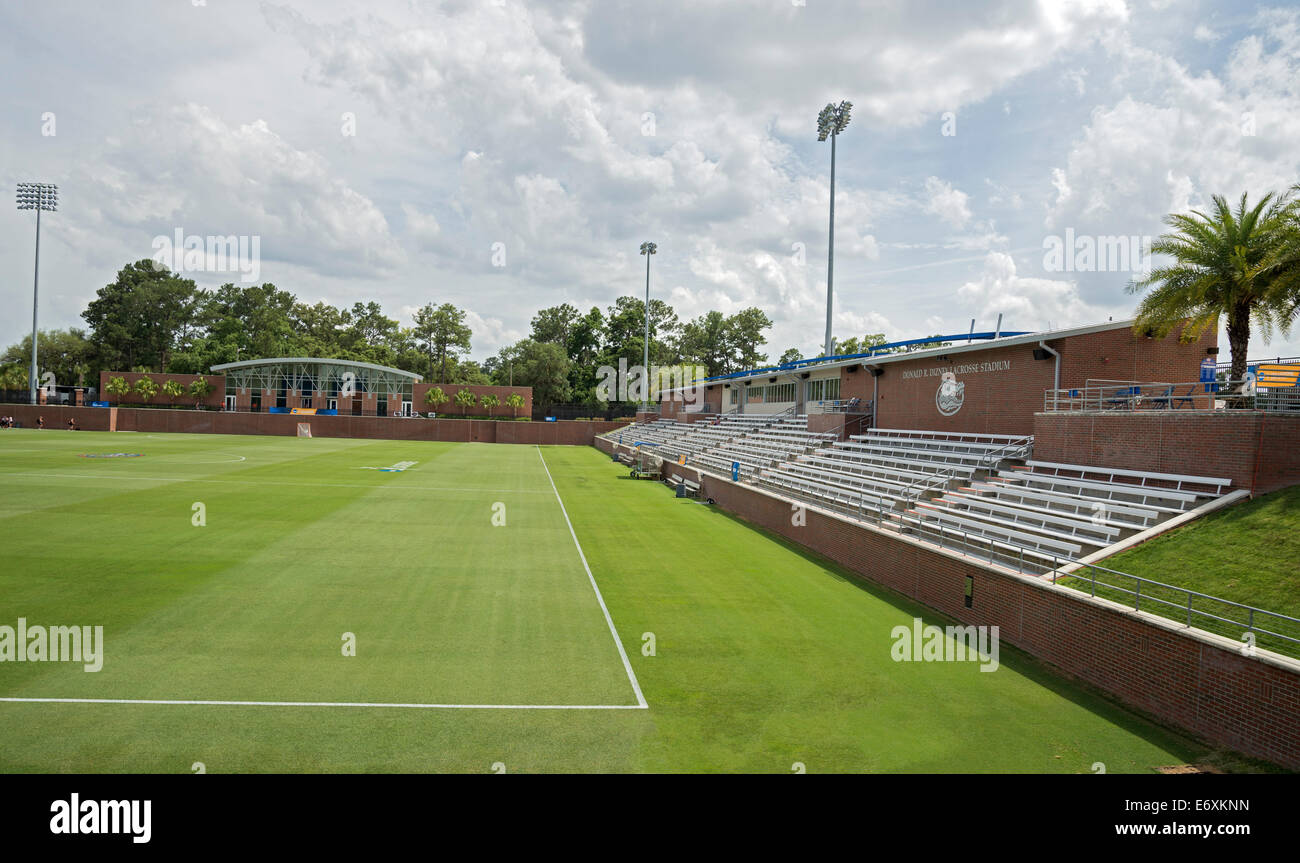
984,495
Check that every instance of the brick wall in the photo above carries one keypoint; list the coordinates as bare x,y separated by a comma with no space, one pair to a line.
381,428
1257,451
1004,387
1120,355
1200,683
452,409
215,398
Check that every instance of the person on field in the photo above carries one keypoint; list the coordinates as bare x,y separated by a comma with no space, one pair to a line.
40,422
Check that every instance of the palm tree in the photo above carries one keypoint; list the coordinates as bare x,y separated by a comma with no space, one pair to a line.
465,399
117,386
489,401
200,389
146,388
173,390
1284,267
516,401
1221,266
436,398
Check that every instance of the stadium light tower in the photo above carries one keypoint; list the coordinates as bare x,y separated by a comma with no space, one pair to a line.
36,196
647,249
830,122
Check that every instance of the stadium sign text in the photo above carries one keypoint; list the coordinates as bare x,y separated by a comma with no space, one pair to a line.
966,369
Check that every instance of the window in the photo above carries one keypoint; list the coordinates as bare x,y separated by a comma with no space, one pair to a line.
734,398
826,389
780,393
770,394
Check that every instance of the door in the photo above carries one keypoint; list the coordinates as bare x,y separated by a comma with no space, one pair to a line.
230,403
255,404
406,409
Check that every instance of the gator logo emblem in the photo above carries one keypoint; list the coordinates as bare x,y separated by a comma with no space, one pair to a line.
950,396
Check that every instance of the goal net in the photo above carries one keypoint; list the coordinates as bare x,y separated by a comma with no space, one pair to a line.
304,429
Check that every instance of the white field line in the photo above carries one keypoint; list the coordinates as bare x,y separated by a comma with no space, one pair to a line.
640,705
627,665
324,704
181,479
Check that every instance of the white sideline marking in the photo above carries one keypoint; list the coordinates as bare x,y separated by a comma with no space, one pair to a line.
627,665
326,704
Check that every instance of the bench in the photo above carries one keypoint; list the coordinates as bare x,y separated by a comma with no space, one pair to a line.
931,466
1142,476
1056,526
999,532
876,488
1122,515
1164,500
855,499
1010,550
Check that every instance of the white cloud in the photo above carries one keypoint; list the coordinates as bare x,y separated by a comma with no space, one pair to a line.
186,167
949,204
1032,303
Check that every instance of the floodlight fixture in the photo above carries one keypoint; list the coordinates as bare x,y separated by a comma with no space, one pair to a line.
38,197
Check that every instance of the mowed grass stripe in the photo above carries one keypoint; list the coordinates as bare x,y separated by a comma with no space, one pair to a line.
405,574
765,655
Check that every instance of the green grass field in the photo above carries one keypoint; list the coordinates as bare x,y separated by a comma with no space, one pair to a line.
1245,554
765,655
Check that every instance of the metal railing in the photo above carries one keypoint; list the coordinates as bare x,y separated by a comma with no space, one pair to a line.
1195,610
1270,629
1225,395
1226,368
914,490
1022,448
844,406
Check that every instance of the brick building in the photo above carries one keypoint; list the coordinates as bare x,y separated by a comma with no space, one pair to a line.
990,387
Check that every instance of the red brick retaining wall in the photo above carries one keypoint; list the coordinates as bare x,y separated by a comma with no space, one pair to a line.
1257,451
382,428
1200,683
418,403
214,398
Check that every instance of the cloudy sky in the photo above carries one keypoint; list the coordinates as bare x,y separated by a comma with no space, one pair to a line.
505,156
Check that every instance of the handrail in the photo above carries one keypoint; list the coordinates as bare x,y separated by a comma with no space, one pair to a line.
1143,589
1258,621
1015,449
926,483
1236,395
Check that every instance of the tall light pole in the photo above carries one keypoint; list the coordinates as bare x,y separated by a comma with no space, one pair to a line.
647,249
36,196
831,121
